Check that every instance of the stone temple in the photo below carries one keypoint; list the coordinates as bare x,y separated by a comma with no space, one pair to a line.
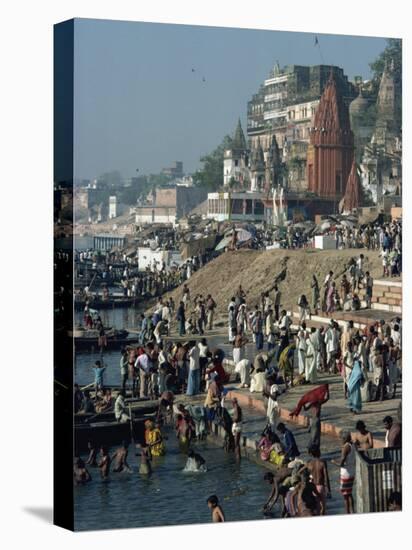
381,164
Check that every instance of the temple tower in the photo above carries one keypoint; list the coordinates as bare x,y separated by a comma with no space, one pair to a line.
235,159
331,147
351,199
273,172
257,169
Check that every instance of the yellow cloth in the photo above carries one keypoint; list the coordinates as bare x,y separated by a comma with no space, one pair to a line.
275,458
151,436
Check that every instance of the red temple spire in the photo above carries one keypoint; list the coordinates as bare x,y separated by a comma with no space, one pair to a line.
351,199
330,151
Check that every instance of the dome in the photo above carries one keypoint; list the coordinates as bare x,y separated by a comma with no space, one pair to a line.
358,105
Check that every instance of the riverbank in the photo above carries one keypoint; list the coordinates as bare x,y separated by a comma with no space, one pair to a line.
256,271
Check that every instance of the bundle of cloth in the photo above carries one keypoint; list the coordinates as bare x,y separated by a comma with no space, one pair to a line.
314,398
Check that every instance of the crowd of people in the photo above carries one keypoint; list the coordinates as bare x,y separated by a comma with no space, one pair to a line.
154,279
160,367
347,234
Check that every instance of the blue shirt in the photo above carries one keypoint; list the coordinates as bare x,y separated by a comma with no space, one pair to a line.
98,375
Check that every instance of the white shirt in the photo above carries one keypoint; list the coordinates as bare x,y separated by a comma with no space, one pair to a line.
166,313
162,357
285,322
302,340
202,350
119,406
396,337
143,362
331,340
194,354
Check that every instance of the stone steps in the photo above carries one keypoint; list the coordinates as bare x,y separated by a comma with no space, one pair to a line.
387,296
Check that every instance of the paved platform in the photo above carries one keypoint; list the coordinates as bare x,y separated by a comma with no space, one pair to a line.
362,318
336,416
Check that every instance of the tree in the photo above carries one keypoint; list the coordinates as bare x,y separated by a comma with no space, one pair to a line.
392,52
211,175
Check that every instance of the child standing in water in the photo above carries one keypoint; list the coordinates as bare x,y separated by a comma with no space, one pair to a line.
145,458
218,515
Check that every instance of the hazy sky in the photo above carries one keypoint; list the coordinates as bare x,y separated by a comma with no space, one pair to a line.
139,105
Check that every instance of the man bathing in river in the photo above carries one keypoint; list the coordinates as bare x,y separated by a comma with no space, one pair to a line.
196,460
104,464
80,472
218,515
120,459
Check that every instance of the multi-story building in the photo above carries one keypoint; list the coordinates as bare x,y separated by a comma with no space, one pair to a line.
284,107
175,170
170,204
300,140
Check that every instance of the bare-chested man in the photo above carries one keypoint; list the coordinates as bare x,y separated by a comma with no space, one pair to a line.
120,459
318,470
104,464
276,481
218,515
80,473
363,439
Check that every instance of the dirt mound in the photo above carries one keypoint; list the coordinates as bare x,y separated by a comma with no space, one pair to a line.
257,272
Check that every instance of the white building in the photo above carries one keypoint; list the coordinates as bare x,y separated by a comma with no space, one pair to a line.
112,207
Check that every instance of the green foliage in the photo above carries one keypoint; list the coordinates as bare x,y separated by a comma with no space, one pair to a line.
296,163
211,174
393,51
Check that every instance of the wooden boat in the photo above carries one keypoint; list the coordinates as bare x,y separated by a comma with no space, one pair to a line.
89,338
139,407
111,303
109,432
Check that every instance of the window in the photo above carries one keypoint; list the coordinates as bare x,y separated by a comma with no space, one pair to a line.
259,208
237,206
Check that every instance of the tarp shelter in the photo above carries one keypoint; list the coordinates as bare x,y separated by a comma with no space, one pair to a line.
197,246
242,235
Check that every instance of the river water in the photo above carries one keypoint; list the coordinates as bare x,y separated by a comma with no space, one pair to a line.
171,496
